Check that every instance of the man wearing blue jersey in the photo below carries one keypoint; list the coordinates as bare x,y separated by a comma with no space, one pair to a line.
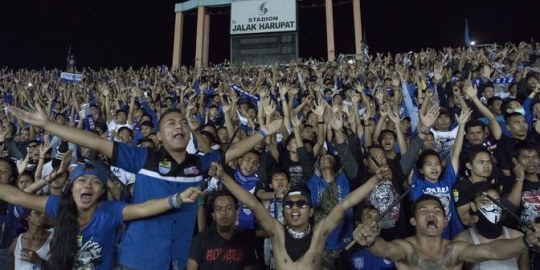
167,171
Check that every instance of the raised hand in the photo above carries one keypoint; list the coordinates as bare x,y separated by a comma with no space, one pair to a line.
37,118
216,170
283,89
486,71
519,170
383,174
384,110
337,121
319,107
269,107
394,117
464,116
366,233
273,127
66,161
470,89
44,148
189,195
358,87
355,97
295,120
437,72
226,105
429,118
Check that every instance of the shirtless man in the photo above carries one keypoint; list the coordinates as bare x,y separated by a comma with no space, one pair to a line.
428,250
297,245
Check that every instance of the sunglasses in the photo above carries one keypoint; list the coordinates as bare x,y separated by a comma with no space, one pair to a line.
301,204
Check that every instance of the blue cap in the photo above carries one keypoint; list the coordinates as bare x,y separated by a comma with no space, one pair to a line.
92,167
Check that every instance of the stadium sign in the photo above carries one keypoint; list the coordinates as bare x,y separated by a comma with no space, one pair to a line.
263,16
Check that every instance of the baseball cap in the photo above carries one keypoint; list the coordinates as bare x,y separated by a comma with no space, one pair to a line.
92,167
298,192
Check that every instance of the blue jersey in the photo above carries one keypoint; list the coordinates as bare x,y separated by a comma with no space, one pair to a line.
159,242
443,190
342,234
97,240
363,259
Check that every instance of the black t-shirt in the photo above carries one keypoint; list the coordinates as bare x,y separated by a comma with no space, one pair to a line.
506,146
530,201
211,251
464,189
394,224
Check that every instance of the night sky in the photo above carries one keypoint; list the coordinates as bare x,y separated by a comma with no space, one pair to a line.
36,34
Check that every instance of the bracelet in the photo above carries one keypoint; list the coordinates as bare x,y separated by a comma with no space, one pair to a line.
263,133
526,242
173,201
367,125
519,179
321,123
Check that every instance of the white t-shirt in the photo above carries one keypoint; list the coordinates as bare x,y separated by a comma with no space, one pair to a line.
444,142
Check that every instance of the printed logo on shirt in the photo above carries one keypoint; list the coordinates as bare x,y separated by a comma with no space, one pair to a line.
531,205
164,167
382,197
358,262
191,170
89,255
456,195
444,195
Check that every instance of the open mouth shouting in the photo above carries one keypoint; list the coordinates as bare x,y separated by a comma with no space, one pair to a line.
86,197
432,223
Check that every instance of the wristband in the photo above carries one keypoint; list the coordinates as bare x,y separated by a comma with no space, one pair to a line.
263,133
321,123
526,242
173,201
519,179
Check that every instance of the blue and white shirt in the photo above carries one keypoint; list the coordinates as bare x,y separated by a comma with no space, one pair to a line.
157,243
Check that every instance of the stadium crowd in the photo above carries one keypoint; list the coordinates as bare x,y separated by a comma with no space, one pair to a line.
420,160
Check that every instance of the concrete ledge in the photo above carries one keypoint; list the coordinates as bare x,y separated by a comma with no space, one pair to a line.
192,4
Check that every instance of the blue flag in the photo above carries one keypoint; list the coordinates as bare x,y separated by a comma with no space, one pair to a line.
467,37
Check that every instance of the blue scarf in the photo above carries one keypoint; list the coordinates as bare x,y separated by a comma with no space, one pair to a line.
241,91
246,218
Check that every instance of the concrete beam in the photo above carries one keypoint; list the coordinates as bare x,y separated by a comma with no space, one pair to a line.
177,42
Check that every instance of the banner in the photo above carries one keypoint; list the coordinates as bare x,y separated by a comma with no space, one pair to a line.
256,16
71,77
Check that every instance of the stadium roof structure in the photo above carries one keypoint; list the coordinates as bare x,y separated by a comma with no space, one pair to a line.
203,26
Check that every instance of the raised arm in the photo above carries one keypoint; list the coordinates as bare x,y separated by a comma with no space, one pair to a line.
335,217
458,144
501,249
238,149
158,206
366,234
494,126
268,223
394,117
78,136
13,195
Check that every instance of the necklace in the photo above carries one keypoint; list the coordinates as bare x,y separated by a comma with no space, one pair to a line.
298,235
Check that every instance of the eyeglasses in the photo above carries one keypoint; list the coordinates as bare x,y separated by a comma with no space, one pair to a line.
301,204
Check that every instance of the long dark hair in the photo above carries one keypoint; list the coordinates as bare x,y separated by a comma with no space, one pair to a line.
64,246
